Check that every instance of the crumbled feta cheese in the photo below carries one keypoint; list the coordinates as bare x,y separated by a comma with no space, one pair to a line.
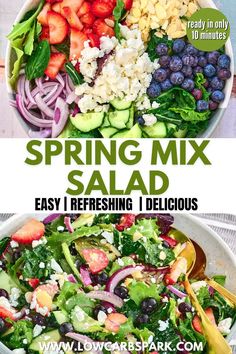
0,263
36,243
4,302
225,325
165,299
19,351
55,266
120,262
41,265
155,105
25,341
108,236
14,244
150,339
58,277
37,330
198,285
162,255
110,310
14,296
163,325
101,317
149,119
153,280
60,228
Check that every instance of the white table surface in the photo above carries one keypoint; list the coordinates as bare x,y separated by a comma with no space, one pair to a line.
10,125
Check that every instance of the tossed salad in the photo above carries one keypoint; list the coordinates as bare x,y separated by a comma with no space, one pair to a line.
113,69
95,279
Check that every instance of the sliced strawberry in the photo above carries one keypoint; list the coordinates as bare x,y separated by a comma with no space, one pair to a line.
128,4
85,8
102,9
43,15
77,39
178,268
34,282
6,313
43,296
73,4
94,40
45,33
114,320
56,62
96,259
127,220
58,28
171,242
57,7
71,16
31,231
53,1
196,323
102,29
87,19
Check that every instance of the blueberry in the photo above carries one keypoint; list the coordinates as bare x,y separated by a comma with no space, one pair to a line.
184,307
154,90
73,250
189,60
187,70
160,75
166,85
140,120
212,57
16,255
224,74
161,49
210,90
148,305
176,63
177,78
65,328
165,244
178,45
99,308
213,105
197,94
102,278
2,325
38,319
202,106
224,61
4,293
217,96
164,61
217,84
202,61
206,84
121,291
188,85
142,318
209,70
191,50
195,62
198,70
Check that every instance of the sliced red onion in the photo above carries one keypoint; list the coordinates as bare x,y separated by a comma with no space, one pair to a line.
13,103
85,276
67,222
40,134
43,106
50,218
150,268
39,83
71,278
28,92
211,290
61,115
110,308
106,296
75,111
177,292
82,339
60,79
121,274
71,97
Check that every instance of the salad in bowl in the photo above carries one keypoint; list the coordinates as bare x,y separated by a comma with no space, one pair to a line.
114,69
73,281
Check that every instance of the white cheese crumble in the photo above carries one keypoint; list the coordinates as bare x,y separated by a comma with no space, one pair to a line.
14,296
120,262
36,243
25,341
162,255
198,285
37,330
55,266
108,236
5,303
225,325
14,244
19,351
101,317
41,265
149,119
60,228
163,325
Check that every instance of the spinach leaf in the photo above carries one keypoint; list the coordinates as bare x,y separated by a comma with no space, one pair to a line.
76,78
118,13
38,61
86,304
23,329
191,115
106,218
152,255
185,328
153,42
139,291
33,258
3,244
63,48
68,290
14,270
60,237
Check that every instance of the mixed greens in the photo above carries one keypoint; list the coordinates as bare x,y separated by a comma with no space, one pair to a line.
75,280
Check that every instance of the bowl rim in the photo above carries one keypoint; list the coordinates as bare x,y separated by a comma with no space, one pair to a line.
217,115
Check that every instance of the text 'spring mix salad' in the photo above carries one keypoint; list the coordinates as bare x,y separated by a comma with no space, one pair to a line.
120,69
98,279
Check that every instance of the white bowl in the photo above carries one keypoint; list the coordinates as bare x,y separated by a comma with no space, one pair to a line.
215,120
220,259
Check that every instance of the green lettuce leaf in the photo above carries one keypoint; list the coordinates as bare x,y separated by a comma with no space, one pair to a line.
68,290
190,115
19,53
23,329
139,291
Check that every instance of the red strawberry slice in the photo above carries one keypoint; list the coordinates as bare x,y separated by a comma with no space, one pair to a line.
57,7
5,313
85,8
77,39
94,40
73,4
197,324
56,62
171,242
96,259
128,4
87,19
58,28
45,33
43,15
127,220
34,282
102,9
71,16
31,231
102,29
53,1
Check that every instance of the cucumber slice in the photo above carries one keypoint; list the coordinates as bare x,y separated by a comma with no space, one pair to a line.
120,104
180,133
157,130
6,282
130,122
106,122
86,122
60,317
118,119
108,131
134,132
52,336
